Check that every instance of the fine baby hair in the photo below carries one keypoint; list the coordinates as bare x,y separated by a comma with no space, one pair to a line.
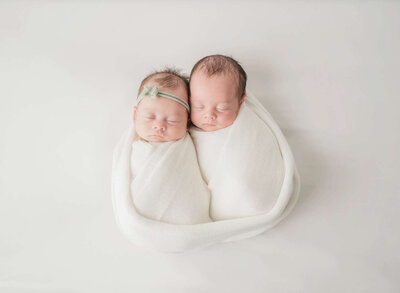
221,64
168,78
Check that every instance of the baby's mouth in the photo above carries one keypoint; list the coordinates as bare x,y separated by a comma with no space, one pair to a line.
156,138
159,134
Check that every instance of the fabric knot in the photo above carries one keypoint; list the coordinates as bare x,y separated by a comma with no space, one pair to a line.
152,92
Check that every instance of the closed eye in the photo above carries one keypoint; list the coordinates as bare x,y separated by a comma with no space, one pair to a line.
222,109
173,122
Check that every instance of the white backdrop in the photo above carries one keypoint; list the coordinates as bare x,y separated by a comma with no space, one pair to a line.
328,71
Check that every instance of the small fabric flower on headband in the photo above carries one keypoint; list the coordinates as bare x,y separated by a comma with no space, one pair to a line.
154,93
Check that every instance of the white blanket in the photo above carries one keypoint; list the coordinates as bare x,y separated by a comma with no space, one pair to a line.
242,165
174,238
166,182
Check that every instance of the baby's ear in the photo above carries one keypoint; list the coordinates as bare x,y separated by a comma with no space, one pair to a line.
242,99
134,113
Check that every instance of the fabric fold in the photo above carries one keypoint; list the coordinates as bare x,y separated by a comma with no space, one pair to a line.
168,237
245,177
167,185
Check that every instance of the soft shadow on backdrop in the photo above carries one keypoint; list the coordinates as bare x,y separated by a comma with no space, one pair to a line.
326,70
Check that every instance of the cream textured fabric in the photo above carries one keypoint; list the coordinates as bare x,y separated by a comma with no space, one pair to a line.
175,238
167,185
244,170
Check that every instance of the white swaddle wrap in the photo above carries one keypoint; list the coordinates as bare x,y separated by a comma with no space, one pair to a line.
242,165
176,238
166,182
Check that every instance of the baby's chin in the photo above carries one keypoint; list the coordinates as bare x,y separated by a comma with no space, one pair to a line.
153,138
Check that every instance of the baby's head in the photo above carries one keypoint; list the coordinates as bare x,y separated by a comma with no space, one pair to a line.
160,114
218,88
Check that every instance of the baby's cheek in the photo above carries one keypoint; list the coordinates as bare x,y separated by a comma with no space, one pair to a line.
233,114
228,118
178,131
144,127
193,115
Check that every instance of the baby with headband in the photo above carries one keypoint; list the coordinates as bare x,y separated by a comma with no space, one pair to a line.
166,181
162,116
238,154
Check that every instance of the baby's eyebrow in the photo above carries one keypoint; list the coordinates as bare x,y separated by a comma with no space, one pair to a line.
215,101
150,114
147,109
178,114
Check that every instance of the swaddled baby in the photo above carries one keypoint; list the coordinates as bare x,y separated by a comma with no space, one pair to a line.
167,184
238,154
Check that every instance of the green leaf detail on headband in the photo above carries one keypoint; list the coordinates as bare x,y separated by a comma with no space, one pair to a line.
154,93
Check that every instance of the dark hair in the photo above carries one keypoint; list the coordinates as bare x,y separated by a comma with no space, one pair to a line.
220,64
169,78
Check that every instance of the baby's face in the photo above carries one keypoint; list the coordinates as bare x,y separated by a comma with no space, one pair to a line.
161,119
214,101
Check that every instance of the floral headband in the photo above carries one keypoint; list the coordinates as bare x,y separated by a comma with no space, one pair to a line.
154,93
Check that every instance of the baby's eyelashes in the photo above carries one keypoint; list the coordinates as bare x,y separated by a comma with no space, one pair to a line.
173,122
169,121
218,108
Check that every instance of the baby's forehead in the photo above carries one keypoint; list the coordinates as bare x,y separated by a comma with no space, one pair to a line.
225,75
161,105
218,87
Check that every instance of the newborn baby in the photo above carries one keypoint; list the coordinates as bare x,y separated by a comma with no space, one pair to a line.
167,184
238,154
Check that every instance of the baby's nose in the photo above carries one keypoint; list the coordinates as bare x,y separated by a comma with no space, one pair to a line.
209,116
159,126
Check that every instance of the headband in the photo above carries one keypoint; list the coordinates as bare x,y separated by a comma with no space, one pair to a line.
154,93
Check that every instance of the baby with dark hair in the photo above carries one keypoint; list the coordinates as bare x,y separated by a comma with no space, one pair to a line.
238,154
218,86
166,182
